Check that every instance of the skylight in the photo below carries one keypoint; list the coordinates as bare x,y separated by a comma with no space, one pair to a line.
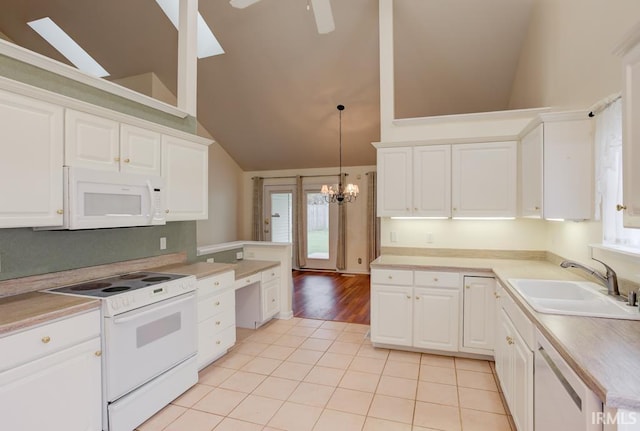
68,47
208,45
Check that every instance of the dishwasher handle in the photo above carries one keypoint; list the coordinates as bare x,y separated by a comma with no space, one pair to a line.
563,381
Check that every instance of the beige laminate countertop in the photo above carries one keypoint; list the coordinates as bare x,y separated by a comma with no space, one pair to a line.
242,268
605,353
33,308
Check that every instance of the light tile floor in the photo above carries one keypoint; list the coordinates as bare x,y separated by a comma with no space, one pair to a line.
304,374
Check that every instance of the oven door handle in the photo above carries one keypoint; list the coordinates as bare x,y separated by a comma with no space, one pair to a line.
155,309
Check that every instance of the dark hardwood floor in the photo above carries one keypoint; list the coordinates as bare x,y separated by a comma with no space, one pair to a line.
331,296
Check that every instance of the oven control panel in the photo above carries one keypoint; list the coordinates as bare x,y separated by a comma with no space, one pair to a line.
128,301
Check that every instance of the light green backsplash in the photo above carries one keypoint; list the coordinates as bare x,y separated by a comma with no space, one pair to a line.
47,80
25,252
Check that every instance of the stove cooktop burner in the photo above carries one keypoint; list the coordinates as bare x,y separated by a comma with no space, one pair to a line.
106,287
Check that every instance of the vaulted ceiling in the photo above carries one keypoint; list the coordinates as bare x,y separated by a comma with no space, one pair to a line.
271,99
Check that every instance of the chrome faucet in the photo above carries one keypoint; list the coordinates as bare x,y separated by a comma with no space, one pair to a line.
610,280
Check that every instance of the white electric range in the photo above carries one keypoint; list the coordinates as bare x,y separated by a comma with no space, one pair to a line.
149,342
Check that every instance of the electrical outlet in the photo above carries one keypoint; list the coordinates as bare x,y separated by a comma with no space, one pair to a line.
359,261
239,255
210,260
394,237
163,243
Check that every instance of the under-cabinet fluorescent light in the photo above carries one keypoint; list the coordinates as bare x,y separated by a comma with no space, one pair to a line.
68,47
419,218
484,218
208,45
554,219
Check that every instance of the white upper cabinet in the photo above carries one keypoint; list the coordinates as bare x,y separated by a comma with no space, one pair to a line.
414,181
432,181
100,143
185,171
139,150
556,167
484,179
531,173
31,162
395,182
91,141
631,128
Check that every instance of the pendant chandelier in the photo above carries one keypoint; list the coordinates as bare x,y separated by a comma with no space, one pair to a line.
337,192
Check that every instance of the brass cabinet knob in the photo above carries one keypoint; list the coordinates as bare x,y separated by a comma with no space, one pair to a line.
621,207
217,322
218,342
536,208
127,160
273,300
417,298
408,296
509,340
435,278
98,353
60,211
217,283
390,277
166,211
46,339
116,159
496,295
217,303
467,286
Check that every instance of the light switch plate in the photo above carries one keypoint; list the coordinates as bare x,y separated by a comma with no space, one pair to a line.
163,243
239,255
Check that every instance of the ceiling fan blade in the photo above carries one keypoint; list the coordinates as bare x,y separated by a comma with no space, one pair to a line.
241,4
324,16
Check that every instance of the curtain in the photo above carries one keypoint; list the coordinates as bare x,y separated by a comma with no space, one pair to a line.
300,226
257,229
341,256
373,222
608,142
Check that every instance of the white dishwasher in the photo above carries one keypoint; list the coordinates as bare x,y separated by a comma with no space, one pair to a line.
561,400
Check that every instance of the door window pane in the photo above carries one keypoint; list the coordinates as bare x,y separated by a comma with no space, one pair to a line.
317,227
281,217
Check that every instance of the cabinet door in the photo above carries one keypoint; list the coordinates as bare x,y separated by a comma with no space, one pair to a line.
531,173
270,298
521,405
139,150
484,180
631,136
185,171
60,392
479,313
91,142
435,318
503,353
31,165
395,182
432,181
391,314
568,167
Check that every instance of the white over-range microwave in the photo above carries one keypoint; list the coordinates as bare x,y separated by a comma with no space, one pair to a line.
101,199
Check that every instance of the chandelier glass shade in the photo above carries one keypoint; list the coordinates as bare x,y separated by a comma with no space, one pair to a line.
339,193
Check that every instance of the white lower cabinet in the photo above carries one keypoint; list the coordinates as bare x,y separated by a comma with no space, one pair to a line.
436,318
216,317
57,384
421,310
514,360
479,314
257,298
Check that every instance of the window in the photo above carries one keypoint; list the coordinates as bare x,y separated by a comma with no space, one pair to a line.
608,142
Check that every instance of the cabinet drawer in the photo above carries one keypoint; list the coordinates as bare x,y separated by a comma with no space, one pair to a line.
246,281
217,323
437,279
211,347
392,276
216,304
520,321
46,339
213,284
270,274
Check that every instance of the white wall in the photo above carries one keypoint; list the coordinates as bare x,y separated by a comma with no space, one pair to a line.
567,59
225,188
356,211
521,234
